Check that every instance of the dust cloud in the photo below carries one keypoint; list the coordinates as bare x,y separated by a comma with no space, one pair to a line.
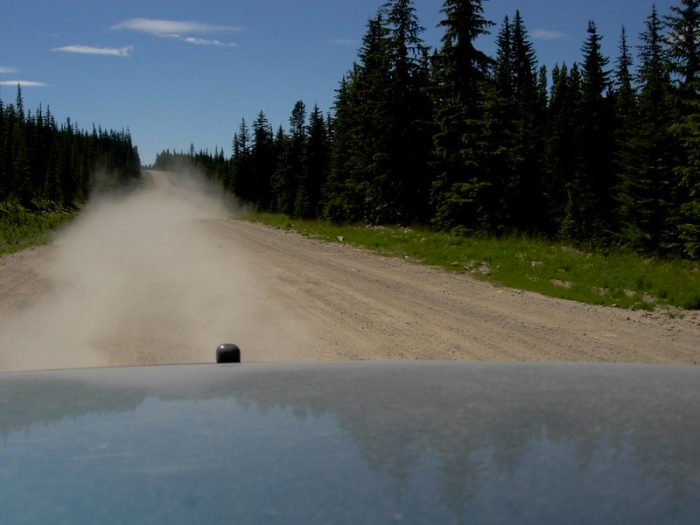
138,279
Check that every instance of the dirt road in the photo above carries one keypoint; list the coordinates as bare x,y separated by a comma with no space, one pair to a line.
163,277
362,306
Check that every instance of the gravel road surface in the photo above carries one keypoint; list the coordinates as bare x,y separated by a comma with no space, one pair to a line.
163,277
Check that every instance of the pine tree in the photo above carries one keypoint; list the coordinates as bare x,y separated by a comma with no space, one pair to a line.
646,196
20,177
683,45
514,119
296,159
523,193
590,204
241,164
399,188
263,162
625,99
288,178
499,132
460,72
343,191
688,132
4,183
317,155
462,65
66,166
19,104
626,123
562,146
683,41
382,116
359,153
279,148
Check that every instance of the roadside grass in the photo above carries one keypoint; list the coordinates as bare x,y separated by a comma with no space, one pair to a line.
20,229
619,278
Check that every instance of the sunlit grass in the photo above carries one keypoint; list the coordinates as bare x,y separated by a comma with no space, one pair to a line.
20,229
618,278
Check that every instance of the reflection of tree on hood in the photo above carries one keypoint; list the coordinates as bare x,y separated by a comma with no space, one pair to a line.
457,426
494,417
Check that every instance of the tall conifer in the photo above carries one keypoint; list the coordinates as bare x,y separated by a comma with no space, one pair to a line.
461,72
683,40
263,162
402,180
363,109
683,44
590,204
316,166
647,181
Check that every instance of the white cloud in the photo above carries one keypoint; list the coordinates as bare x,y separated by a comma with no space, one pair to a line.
4,70
170,28
205,42
547,34
344,42
90,50
23,83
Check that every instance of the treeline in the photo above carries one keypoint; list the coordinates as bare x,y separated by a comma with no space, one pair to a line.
603,152
46,167
284,171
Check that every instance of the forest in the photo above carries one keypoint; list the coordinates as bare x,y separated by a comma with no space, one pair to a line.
46,167
604,152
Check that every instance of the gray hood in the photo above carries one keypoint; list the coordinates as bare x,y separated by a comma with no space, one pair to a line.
352,443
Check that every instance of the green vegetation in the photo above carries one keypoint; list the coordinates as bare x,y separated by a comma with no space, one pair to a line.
597,153
20,228
618,277
46,166
47,171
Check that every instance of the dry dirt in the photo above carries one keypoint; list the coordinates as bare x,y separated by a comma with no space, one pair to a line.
163,276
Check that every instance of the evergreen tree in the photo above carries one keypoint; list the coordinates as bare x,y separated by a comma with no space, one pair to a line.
241,163
460,72
401,186
515,117
688,133
683,40
531,104
562,145
4,183
263,162
317,155
626,122
647,179
43,167
380,172
499,131
359,155
291,172
345,187
462,65
625,99
296,160
683,44
590,204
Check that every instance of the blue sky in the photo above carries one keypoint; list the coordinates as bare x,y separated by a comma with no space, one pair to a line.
182,72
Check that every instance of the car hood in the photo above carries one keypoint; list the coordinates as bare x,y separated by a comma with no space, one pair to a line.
366,442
